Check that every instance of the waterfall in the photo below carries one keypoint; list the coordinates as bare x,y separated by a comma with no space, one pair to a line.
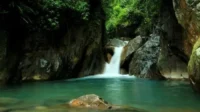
113,67
112,70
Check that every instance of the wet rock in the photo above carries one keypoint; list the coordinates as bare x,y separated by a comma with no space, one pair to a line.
143,63
194,67
188,16
43,65
116,42
172,63
109,56
50,54
109,51
129,50
171,67
133,45
187,13
123,71
173,58
92,101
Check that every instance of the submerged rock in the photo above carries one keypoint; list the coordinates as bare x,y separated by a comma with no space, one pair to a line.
143,63
90,101
95,102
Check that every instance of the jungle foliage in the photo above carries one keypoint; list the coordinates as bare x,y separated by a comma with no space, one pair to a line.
43,14
124,13
138,15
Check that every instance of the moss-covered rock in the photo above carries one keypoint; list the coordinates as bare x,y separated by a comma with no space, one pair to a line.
187,13
194,67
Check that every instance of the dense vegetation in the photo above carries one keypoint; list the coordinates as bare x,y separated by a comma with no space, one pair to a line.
136,14
35,30
43,14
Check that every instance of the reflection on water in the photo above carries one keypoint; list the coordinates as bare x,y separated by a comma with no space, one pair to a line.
154,96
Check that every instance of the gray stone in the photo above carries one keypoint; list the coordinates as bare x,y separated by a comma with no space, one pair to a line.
133,45
143,63
43,63
129,50
198,6
116,42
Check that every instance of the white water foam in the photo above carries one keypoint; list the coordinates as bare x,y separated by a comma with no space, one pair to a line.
103,76
113,68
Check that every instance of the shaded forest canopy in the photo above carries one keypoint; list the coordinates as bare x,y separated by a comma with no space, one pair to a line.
43,14
68,35
137,15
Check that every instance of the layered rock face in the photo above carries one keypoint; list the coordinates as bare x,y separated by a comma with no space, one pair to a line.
143,63
173,59
129,50
73,50
164,59
188,15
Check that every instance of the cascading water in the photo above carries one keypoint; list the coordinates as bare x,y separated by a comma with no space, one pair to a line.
113,68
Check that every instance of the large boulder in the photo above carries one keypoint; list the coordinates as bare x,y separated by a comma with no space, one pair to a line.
188,15
133,45
93,101
143,63
129,50
172,67
172,62
90,101
194,67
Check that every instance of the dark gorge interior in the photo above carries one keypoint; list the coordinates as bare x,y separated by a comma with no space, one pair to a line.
73,48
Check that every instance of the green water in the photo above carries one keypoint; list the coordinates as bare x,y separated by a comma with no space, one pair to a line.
153,96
